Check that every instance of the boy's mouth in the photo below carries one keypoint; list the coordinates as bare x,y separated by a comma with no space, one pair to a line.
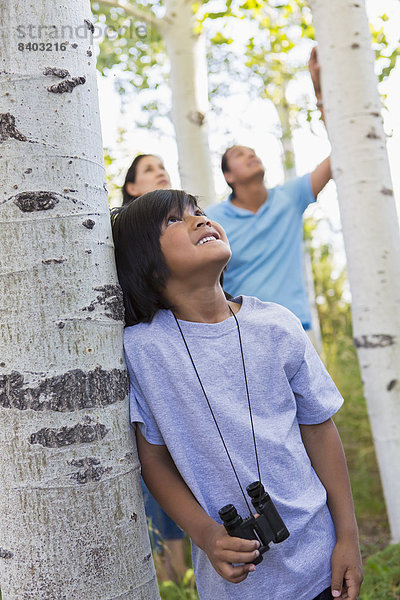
209,236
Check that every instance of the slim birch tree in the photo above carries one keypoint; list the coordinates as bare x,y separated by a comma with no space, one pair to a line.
185,47
369,220
72,524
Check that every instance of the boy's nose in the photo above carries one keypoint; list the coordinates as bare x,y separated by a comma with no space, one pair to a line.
203,220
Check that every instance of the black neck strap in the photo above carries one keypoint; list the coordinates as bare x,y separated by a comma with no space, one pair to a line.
212,412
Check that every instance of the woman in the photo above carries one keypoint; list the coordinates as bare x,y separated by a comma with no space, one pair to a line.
146,174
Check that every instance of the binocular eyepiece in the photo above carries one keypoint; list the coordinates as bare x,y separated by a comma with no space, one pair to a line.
266,528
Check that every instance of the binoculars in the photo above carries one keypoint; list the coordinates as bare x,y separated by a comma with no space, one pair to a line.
266,528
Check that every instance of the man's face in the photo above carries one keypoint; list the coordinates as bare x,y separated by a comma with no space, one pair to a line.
243,165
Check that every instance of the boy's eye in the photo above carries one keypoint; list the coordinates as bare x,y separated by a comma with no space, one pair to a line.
173,219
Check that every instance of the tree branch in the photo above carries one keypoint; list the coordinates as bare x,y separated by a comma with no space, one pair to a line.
134,11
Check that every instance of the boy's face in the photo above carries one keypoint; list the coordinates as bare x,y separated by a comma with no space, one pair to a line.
193,245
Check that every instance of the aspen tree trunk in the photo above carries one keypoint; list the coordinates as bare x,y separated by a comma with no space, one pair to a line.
288,159
370,223
189,87
72,524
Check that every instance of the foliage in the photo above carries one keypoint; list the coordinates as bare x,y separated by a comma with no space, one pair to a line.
382,575
386,53
115,173
184,591
264,61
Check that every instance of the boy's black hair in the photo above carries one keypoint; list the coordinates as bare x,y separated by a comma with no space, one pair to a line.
130,177
141,267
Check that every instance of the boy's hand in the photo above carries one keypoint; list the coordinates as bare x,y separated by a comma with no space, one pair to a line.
346,571
224,551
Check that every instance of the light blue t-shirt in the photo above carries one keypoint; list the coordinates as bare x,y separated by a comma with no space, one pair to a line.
267,246
288,385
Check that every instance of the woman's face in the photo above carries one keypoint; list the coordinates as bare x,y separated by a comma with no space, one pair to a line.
150,175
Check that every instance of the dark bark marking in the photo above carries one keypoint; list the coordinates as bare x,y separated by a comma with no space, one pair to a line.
73,390
88,252
355,45
89,470
36,201
9,130
147,558
74,46
81,433
28,171
196,117
89,25
391,385
386,191
60,325
89,53
375,114
54,261
133,517
380,340
6,553
67,85
68,190
372,135
56,72
111,298
89,223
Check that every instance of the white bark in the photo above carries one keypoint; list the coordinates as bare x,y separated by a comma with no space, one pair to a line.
72,523
189,87
370,222
288,159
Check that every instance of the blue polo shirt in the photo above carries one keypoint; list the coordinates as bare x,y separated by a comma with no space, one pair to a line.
267,246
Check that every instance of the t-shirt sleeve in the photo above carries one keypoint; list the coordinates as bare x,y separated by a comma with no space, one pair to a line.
316,395
140,411
300,191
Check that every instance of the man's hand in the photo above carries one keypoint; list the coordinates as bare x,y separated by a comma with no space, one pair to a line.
346,570
315,72
225,551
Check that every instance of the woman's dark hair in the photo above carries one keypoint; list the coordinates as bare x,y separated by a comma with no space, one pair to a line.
142,270
131,178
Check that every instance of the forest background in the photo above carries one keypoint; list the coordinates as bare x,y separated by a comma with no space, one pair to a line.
135,118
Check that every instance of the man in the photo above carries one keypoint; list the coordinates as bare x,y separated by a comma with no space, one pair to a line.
265,226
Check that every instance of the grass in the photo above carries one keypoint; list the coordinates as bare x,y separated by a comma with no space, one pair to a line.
353,424
184,591
382,575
